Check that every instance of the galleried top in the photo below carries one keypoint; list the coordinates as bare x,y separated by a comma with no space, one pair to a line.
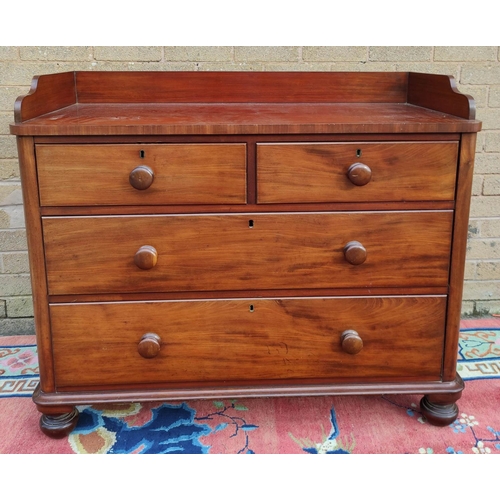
157,103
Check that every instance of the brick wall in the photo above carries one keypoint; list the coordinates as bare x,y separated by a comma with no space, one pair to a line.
476,70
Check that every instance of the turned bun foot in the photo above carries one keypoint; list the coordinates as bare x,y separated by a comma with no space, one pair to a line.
59,426
439,414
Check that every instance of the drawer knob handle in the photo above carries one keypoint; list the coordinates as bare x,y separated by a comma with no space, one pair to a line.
359,174
146,257
355,253
149,345
141,177
352,343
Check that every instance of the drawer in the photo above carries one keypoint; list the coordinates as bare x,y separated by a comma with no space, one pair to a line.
224,341
388,171
166,253
141,174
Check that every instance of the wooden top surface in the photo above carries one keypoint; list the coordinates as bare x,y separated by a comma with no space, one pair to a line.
139,103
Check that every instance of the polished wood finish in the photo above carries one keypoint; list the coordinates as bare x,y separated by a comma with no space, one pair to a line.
439,92
31,202
149,346
185,174
458,252
277,339
220,235
48,93
355,253
359,174
351,342
146,257
59,426
312,172
141,177
221,252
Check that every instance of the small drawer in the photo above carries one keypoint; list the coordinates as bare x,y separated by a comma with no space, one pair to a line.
141,174
224,341
356,172
169,253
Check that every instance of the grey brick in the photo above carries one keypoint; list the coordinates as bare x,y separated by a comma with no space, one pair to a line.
10,193
490,228
15,284
449,69
17,326
78,53
128,53
492,141
9,169
481,290
230,66
400,53
477,185
15,263
465,53
3,310
251,54
12,217
486,270
335,54
491,185
485,206
481,74
9,53
8,147
490,118
481,249
487,163
196,54
488,306
494,99
13,240
19,307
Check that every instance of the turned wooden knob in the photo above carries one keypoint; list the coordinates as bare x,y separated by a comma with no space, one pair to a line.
141,177
149,345
355,253
359,174
351,342
146,257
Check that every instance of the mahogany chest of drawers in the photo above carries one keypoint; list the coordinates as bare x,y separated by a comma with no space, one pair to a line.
199,235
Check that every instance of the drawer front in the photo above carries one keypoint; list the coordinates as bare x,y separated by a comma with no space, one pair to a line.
246,252
244,340
319,172
141,174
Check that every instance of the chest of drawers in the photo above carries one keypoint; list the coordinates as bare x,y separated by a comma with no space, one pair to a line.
211,235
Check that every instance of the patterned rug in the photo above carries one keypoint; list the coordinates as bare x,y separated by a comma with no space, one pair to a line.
308,425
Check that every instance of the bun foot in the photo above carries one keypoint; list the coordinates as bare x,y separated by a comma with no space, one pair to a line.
59,426
438,413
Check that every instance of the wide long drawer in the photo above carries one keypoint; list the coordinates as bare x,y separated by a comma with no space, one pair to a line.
356,172
141,174
246,252
244,340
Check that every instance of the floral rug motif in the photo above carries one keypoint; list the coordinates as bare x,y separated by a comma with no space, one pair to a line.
311,425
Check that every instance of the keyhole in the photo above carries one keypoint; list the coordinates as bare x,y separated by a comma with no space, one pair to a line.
142,154
251,308
250,223
358,153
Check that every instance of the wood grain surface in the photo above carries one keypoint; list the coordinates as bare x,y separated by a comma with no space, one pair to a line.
183,174
225,340
317,172
222,252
